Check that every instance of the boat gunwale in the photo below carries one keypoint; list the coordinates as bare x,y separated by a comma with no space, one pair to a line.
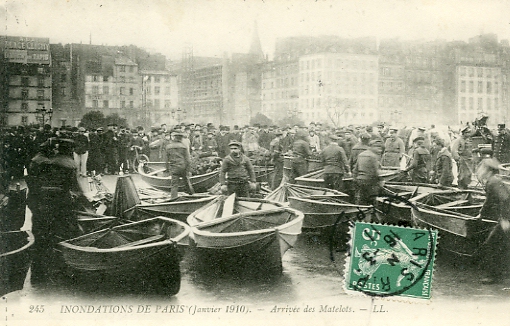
308,200
30,242
196,229
310,176
337,193
170,241
175,203
192,178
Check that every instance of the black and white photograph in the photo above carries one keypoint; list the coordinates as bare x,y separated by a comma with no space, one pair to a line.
257,162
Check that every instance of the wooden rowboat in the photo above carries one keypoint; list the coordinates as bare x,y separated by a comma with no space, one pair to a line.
14,259
324,212
142,253
153,173
224,206
460,233
396,211
177,208
286,190
316,179
248,241
468,202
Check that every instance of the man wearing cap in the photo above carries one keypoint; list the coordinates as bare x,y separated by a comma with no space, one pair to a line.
501,145
366,176
315,142
462,153
494,255
210,145
420,162
442,168
276,150
335,164
52,185
81,151
300,154
223,139
236,174
358,149
178,162
394,149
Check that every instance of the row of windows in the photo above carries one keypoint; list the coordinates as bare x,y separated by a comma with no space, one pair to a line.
482,87
346,88
157,104
106,90
158,79
121,79
157,90
391,101
24,106
343,63
106,104
348,103
25,81
281,82
391,72
478,72
129,69
469,103
25,92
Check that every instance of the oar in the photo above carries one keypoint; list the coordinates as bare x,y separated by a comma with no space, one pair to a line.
156,172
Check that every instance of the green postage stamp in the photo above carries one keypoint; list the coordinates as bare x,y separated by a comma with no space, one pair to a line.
387,260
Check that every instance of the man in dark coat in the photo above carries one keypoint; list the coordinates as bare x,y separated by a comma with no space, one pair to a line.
237,174
358,149
494,256
222,139
178,161
52,186
501,145
96,151
442,170
300,153
462,153
335,164
420,162
81,151
366,176
111,147
276,150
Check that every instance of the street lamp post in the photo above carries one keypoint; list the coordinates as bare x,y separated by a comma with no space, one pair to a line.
43,112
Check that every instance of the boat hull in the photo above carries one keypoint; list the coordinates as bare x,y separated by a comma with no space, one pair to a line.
320,214
261,248
14,260
178,210
131,266
200,183
315,179
459,233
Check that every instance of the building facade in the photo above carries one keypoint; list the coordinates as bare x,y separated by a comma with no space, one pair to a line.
160,97
339,88
26,83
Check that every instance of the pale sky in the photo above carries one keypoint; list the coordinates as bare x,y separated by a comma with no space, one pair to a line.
217,26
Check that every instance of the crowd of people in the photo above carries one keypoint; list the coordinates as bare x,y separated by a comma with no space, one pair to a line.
430,153
52,159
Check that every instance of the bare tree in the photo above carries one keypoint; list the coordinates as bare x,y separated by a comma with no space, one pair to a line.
337,108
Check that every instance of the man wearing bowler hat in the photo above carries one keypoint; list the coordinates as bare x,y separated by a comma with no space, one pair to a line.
501,145
237,174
